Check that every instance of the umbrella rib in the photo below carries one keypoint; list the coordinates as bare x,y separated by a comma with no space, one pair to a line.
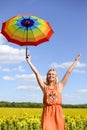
15,31
41,32
32,34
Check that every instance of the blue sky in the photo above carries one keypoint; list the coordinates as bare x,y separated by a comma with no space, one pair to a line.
68,19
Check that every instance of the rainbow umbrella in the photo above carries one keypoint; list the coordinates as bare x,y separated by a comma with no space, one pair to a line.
26,30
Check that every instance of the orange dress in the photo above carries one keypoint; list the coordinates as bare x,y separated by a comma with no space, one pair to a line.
52,116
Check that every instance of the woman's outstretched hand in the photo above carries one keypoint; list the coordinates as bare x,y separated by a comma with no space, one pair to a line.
78,57
28,57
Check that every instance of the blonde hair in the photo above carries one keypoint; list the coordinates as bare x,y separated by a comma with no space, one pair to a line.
56,79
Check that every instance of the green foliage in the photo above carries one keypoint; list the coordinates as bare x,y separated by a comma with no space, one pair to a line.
75,106
21,104
36,105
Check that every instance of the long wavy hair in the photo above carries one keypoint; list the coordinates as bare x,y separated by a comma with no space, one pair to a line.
56,79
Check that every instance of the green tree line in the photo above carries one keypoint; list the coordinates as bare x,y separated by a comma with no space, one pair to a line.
36,105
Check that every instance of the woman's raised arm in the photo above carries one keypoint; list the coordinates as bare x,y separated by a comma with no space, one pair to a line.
38,76
66,76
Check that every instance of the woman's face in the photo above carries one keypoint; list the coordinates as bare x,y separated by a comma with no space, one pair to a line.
51,76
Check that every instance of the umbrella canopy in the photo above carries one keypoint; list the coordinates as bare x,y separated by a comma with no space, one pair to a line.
26,30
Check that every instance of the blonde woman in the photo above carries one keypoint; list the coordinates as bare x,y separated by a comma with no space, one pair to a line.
52,116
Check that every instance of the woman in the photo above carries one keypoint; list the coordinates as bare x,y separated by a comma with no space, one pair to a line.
52,116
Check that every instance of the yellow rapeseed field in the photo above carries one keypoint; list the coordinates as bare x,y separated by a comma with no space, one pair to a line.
30,119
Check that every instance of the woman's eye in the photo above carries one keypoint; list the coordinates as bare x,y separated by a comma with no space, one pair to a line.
50,74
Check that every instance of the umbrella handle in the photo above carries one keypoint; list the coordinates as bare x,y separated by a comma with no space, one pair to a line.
26,52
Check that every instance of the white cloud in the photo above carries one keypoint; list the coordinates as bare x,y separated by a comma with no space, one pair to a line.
1,39
24,81
18,69
29,77
70,96
22,77
75,97
67,65
22,87
2,96
62,65
0,67
9,54
9,78
79,71
6,70
81,65
82,91
30,98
